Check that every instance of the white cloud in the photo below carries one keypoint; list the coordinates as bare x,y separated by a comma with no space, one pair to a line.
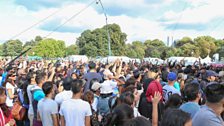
202,11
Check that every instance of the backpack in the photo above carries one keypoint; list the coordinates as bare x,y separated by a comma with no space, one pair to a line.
18,110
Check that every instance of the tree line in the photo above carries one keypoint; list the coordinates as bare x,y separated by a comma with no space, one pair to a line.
95,43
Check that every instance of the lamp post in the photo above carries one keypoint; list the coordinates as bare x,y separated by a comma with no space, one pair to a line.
108,33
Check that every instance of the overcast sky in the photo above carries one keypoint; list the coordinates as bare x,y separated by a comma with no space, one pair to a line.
139,19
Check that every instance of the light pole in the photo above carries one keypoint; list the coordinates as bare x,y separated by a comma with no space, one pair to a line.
108,33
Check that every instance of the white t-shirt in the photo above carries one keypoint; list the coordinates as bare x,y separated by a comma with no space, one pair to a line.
95,102
9,102
63,96
168,91
136,113
47,107
75,111
29,87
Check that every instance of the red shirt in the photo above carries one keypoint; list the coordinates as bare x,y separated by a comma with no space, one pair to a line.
153,87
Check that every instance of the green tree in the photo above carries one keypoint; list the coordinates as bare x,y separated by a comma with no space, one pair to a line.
12,48
97,39
50,48
1,49
183,41
154,48
206,45
72,50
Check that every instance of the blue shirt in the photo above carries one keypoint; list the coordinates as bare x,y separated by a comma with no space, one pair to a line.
207,117
190,107
4,75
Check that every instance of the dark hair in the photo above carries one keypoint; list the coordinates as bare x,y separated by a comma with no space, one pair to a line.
29,76
76,86
92,65
40,77
191,91
120,115
175,117
4,107
130,88
47,87
214,92
130,81
174,101
88,96
138,121
67,83
127,98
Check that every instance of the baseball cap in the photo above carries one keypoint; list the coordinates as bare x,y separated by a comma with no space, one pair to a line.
212,73
96,86
172,76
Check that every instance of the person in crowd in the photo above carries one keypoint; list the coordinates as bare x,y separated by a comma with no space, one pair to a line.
66,93
6,118
153,87
89,97
31,76
120,115
210,113
129,99
47,107
169,89
192,95
75,111
91,75
176,117
96,90
138,121
37,94
174,101
11,87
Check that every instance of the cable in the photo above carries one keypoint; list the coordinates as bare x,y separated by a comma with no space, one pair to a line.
108,33
73,16
174,28
40,21
221,21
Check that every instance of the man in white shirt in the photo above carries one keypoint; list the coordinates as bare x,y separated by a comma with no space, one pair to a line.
169,89
75,111
66,93
47,107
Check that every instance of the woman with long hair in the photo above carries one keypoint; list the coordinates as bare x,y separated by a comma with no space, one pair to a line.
6,118
10,88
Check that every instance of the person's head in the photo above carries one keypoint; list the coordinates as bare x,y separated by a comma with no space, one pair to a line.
120,115
40,78
174,101
176,117
67,83
12,76
211,75
134,91
127,98
92,65
31,77
88,96
192,92
77,86
47,88
215,93
95,88
172,77
2,95
138,121
74,76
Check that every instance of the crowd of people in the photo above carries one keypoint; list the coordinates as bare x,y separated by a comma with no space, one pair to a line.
65,93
